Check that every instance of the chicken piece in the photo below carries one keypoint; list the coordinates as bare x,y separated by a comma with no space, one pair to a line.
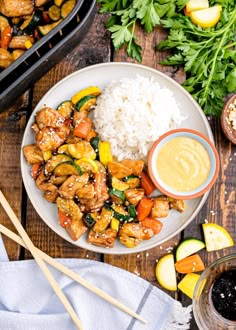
129,242
86,192
77,227
57,180
19,42
49,138
103,221
42,182
161,207
17,53
136,230
72,139
39,3
100,186
32,154
6,58
177,204
35,127
69,187
118,170
91,205
135,165
14,8
81,149
51,196
134,196
49,117
106,239
79,116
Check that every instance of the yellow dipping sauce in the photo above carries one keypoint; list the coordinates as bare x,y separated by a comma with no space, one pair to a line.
183,164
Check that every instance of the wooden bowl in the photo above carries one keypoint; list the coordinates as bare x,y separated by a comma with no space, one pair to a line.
226,123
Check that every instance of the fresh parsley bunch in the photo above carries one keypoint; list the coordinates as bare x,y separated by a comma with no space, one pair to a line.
207,54
126,14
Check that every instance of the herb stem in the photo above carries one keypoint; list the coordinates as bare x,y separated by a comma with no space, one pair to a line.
209,80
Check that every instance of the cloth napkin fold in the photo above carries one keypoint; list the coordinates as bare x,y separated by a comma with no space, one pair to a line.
27,301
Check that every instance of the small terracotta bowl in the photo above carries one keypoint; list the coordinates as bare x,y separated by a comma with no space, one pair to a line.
199,138
226,123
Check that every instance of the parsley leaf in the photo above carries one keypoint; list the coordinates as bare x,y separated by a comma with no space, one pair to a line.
207,55
126,13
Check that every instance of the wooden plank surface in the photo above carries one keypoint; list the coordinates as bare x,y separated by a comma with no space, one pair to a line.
96,48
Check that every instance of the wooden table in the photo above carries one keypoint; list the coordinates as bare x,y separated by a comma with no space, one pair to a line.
96,48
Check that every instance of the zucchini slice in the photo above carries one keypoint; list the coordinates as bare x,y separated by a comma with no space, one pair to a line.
54,161
86,103
118,184
67,168
121,214
132,181
115,224
29,24
117,196
89,219
54,12
67,7
65,108
92,90
132,211
95,144
187,247
44,29
58,3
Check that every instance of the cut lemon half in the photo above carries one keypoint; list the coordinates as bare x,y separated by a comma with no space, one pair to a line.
193,5
216,237
206,17
165,272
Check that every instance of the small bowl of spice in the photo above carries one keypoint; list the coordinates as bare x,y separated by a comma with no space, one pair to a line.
214,298
183,164
228,119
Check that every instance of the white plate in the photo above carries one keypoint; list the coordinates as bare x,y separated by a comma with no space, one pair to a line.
101,75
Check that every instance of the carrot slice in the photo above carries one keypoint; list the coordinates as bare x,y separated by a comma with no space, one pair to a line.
83,129
64,219
6,37
147,184
90,135
35,170
144,208
153,224
190,264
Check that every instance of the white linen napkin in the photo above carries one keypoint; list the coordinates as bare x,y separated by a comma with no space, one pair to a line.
27,301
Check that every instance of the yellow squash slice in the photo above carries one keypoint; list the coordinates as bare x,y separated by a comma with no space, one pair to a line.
165,272
216,237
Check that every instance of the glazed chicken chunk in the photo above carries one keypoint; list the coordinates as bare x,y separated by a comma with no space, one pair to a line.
15,8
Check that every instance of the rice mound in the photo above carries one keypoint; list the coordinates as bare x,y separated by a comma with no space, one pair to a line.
132,113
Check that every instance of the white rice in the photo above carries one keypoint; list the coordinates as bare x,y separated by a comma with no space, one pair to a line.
132,113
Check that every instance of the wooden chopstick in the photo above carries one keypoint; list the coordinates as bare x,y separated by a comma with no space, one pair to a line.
40,261
76,277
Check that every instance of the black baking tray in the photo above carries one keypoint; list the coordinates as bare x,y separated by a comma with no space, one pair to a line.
45,53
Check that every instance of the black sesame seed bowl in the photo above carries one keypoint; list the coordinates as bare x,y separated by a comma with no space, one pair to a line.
214,299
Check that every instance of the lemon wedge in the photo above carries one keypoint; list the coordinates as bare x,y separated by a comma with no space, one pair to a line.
206,17
193,5
165,272
216,237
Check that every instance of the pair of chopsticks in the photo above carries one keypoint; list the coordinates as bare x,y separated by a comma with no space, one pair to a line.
40,257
